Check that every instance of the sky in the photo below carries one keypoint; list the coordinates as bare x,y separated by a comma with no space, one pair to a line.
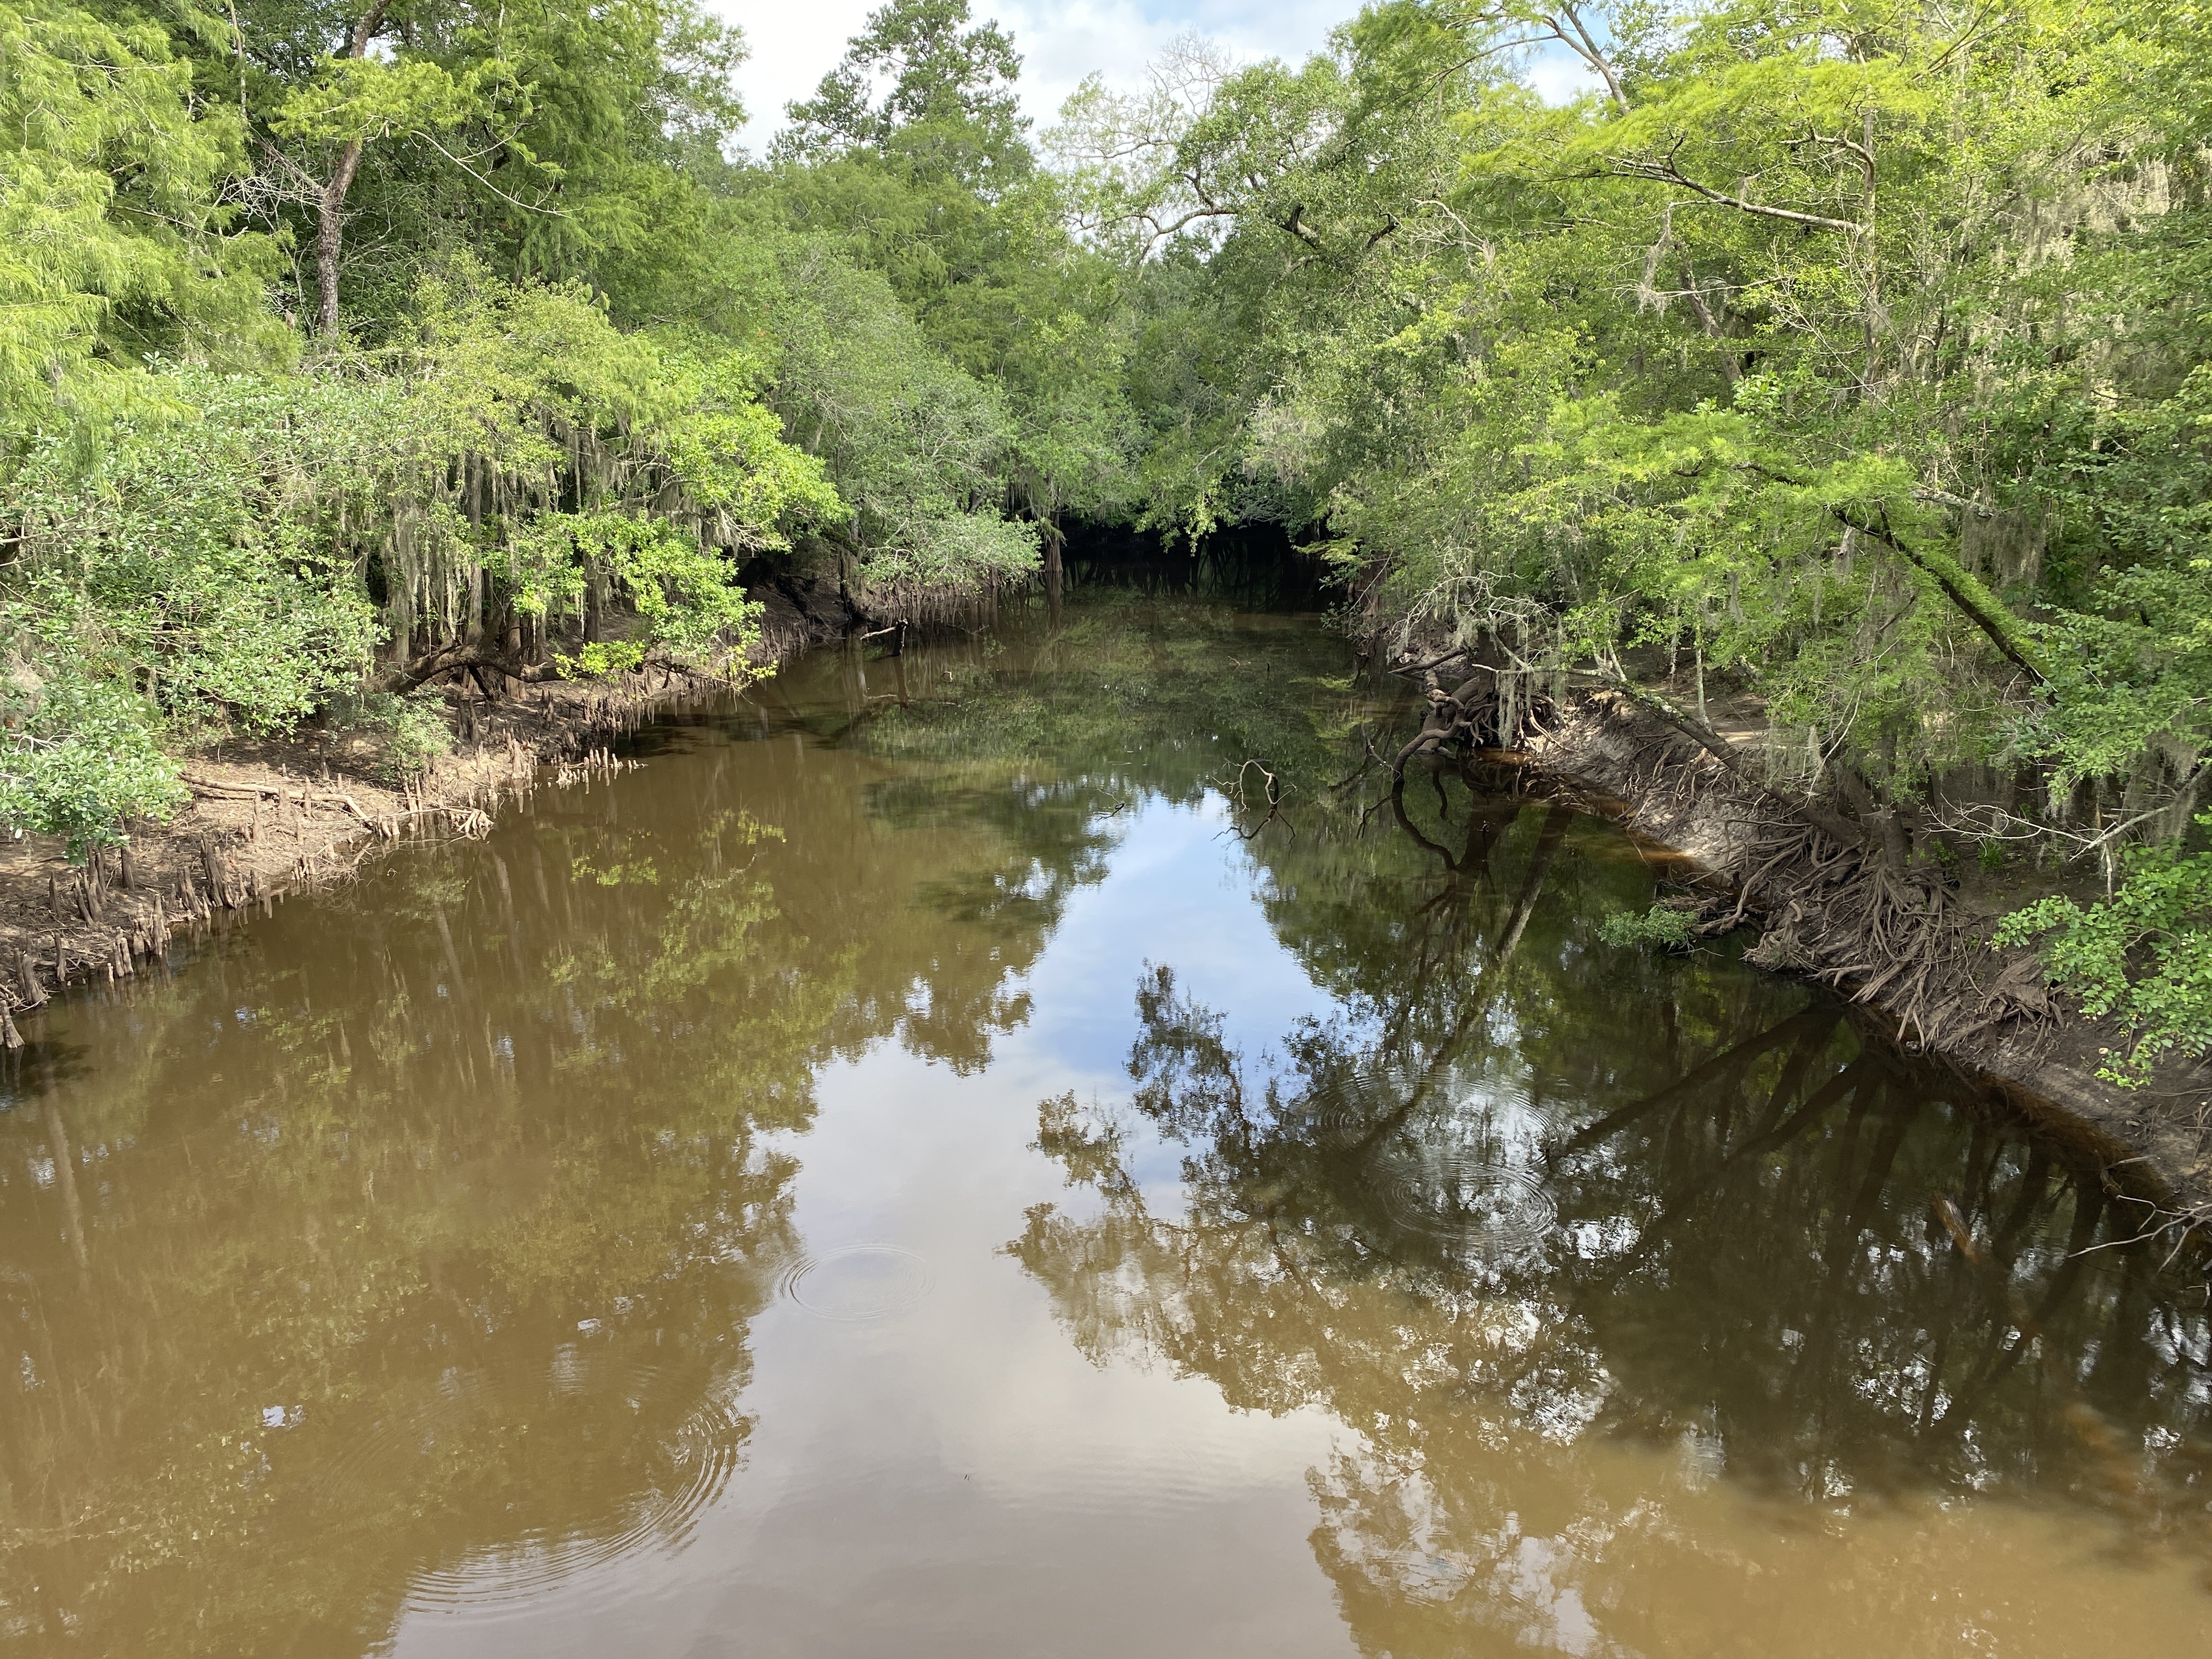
795,42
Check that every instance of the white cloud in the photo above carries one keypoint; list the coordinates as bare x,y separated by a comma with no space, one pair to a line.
1560,76
794,45
1117,37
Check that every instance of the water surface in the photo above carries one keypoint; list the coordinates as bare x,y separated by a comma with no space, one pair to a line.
926,1165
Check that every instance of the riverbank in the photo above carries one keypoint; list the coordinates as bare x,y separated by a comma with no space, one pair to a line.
1899,942
270,818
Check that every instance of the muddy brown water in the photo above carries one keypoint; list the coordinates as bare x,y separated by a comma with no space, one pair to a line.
918,1167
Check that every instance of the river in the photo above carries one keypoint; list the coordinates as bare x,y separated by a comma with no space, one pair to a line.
927,1165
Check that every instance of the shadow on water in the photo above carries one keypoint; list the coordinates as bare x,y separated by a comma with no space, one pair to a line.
1254,567
408,1252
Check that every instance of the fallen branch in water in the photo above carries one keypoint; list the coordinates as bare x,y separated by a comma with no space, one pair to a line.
1274,796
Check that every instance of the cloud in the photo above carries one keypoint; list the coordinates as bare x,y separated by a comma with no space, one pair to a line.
794,45
1560,76
1117,37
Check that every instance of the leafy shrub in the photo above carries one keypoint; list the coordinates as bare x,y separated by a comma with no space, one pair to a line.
79,757
1662,926
412,729
2142,956
601,657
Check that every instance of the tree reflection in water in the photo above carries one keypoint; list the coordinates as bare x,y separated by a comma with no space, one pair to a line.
427,1226
409,1247
1529,1197
406,1249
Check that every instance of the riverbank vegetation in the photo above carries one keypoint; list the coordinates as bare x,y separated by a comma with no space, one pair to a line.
1842,362
346,353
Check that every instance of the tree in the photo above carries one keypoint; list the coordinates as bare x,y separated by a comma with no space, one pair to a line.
920,79
117,241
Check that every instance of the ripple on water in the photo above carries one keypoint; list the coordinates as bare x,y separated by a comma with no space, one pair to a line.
860,1281
663,1485
1463,1198
699,1464
1353,1108
1467,1194
1348,1107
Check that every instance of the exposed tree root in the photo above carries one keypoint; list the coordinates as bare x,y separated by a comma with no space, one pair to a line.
1833,902
1893,938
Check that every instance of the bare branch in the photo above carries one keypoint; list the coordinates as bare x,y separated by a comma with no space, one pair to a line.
1666,173
1584,46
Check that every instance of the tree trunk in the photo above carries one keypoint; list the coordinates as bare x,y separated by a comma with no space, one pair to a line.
330,226
1052,568
329,233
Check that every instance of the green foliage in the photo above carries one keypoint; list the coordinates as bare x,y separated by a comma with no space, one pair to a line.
602,657
365,98
411,730
172,588
910,441
78,757
114,237
911,161
1663,926
1755,354
213,559
575,380
2142,956
551,139
948,93
191,561
1855,355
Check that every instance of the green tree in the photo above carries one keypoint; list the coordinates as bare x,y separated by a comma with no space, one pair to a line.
117,242
1849,354
923,82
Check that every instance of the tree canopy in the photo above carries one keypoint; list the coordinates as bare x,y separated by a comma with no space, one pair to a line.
1848,356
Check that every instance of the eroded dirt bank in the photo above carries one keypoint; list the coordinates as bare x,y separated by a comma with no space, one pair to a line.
269,818
265,819
1894,940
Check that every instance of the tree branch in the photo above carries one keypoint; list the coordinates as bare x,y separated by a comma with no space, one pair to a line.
1584,47
1958,587
1666,173
447,658
370,26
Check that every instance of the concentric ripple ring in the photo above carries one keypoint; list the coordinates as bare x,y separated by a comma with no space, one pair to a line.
1470,1201
859,1282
